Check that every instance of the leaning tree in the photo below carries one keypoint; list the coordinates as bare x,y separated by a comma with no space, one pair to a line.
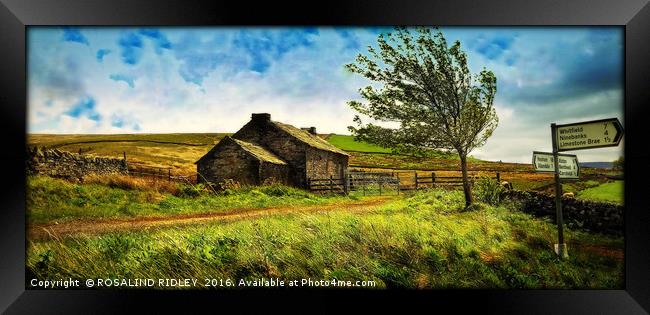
426,88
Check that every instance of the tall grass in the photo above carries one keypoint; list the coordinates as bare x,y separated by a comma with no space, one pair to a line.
422,241
50,199
133,183
488,190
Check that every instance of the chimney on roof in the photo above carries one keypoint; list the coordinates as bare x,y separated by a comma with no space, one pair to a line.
262,117
311,130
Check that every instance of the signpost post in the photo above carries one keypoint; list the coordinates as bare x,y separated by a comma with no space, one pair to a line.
560,247
576,136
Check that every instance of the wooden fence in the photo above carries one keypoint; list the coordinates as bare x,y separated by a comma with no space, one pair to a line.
438,181
157,173
365,182
374,182
331,185
444,181
148,171
384,182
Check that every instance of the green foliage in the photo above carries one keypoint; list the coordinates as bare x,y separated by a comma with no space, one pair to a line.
191,191
426,87
488,190
421,241
277,190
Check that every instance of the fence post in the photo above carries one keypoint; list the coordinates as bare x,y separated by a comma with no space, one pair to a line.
498,177
346,182
331,185
397,184
381,180
416,180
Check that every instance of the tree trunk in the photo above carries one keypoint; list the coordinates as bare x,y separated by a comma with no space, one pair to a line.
466,187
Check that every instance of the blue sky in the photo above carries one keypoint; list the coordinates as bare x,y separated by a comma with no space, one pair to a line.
188,79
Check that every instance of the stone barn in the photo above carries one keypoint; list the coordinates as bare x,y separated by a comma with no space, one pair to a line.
269,151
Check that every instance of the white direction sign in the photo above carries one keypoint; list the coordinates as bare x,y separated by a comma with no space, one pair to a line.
589,134
568,166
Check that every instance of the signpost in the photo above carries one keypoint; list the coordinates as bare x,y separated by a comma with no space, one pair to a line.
589,135
569,168
576,136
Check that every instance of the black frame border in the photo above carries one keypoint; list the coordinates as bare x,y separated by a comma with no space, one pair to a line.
16,15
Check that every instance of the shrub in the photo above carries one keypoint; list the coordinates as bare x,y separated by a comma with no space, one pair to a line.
488,190
275,190
229,184
186,190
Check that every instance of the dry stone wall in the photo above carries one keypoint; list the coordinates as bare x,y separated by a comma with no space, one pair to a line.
601,217
68,165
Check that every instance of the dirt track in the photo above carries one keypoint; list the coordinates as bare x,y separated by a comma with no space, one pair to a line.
90,227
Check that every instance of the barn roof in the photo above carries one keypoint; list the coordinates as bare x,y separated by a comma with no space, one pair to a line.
254,150
309,139
259,152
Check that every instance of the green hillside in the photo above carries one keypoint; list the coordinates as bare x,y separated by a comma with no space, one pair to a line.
348,143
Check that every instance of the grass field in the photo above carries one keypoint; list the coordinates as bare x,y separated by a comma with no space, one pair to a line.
348,143
611,192
178,151
56,200
424,240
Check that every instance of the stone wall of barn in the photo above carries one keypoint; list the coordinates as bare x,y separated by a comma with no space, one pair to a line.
229,161
304,161
289,149
274,173
323,164
68,165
